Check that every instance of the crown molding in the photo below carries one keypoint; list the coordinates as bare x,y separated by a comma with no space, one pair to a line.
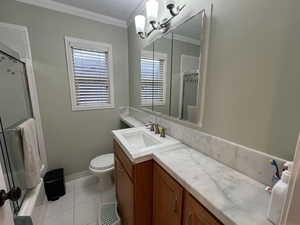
60,7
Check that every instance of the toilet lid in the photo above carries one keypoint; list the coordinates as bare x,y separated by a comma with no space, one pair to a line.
103,162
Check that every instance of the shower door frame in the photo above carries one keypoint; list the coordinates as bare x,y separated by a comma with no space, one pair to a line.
21,45
16,37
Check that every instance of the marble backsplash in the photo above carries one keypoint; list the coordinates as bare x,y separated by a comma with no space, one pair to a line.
248,161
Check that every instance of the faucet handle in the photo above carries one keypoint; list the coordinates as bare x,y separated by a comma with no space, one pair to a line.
163,132
156,128
152,127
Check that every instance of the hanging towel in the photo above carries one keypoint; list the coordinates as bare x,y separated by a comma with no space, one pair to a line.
32,161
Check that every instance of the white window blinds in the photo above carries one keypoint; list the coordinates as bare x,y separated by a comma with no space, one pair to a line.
152,81
90,77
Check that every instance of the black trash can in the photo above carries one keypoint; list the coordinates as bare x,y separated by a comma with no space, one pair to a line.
54,182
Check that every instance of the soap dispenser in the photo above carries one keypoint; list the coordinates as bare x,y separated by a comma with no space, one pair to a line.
279,194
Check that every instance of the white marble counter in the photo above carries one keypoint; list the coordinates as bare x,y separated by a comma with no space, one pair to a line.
130,121
231,196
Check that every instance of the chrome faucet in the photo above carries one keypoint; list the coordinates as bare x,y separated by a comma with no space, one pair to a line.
163,132
158,129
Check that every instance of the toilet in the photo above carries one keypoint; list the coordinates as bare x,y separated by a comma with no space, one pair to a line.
102,167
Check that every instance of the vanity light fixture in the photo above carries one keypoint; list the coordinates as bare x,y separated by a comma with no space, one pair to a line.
152,7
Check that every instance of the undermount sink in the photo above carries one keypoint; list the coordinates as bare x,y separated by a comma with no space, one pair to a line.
140,139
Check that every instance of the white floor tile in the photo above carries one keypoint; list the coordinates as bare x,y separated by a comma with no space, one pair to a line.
84,183
86,213
63,218
63,204
81,204
70,187
88,194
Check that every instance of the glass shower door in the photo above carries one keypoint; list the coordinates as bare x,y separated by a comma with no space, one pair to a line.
15,108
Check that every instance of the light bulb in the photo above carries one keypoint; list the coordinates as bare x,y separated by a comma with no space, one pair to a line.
152,10
140,21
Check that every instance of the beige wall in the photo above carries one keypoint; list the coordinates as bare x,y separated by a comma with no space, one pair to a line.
72,138
252,94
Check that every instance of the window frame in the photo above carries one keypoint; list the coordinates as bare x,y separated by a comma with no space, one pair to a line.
157,56
88,46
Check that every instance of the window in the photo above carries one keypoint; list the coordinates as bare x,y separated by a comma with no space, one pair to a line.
153,78
90,73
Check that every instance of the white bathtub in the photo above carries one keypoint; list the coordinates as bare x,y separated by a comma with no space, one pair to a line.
35,205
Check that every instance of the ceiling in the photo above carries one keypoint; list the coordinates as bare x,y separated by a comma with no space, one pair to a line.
120,9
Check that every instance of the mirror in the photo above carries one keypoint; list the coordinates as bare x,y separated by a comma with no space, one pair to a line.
252,87
187,81
171,80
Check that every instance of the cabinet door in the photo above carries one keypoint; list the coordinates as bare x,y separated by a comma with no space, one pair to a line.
195,214
167,201
124,187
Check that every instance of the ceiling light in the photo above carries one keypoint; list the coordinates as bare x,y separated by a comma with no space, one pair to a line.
152,8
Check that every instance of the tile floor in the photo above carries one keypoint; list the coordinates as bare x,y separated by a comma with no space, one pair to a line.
80,205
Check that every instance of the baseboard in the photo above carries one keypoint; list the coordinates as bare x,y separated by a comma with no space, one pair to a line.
75,176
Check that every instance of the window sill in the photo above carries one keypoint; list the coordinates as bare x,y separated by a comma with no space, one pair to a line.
92,107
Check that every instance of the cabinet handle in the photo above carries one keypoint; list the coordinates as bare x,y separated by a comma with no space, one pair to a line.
189,220
175,205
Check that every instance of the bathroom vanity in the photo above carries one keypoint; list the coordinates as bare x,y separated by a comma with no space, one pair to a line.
147,195
161,181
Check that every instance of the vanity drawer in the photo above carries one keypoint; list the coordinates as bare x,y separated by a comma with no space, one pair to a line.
119,153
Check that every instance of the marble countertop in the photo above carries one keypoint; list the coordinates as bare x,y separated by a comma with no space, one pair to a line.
234,198
231,196
130,121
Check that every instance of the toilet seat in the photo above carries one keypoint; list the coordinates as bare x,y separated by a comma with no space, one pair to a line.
103,162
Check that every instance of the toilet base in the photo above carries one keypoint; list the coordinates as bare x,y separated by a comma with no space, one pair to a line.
105,181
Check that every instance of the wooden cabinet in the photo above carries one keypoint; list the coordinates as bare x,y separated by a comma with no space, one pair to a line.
167,199
148,195
124,189
196,214
134,187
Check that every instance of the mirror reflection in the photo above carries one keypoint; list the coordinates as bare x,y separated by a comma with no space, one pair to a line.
162,76
146,77
186,76
170,76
